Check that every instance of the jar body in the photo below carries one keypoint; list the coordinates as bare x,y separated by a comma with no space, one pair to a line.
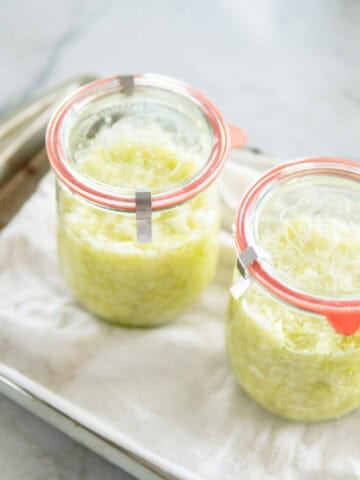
129,283
307,373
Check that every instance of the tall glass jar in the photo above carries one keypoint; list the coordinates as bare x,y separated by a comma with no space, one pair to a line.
135,159
294,313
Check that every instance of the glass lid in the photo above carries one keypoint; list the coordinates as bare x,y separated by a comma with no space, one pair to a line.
143,138
120,134
302,219
307,228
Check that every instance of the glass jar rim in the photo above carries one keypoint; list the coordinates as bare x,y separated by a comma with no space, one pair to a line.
226,136
343,314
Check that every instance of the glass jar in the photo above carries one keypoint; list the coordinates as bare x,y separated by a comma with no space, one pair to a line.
294,312
135,159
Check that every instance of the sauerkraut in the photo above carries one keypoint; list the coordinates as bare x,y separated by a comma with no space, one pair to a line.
113,275
291,362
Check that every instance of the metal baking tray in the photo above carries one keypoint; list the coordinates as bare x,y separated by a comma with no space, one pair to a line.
114,453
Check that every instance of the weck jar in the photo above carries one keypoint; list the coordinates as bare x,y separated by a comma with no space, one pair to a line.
136,159
294,312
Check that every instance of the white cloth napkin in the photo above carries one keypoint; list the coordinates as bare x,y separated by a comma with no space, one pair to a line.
168,393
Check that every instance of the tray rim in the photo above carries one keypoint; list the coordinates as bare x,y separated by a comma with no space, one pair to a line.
116,454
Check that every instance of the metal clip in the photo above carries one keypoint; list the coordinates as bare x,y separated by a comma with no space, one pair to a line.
244,259
127,82
143,215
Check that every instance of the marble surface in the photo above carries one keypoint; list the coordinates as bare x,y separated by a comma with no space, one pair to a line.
32,450
287,72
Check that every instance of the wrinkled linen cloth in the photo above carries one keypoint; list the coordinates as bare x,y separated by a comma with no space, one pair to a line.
166,394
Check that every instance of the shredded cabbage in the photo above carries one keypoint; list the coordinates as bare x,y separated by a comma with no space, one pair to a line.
113,275
291,362
321,255
126,163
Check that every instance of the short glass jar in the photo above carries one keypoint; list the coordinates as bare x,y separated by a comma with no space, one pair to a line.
136,158
294,313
